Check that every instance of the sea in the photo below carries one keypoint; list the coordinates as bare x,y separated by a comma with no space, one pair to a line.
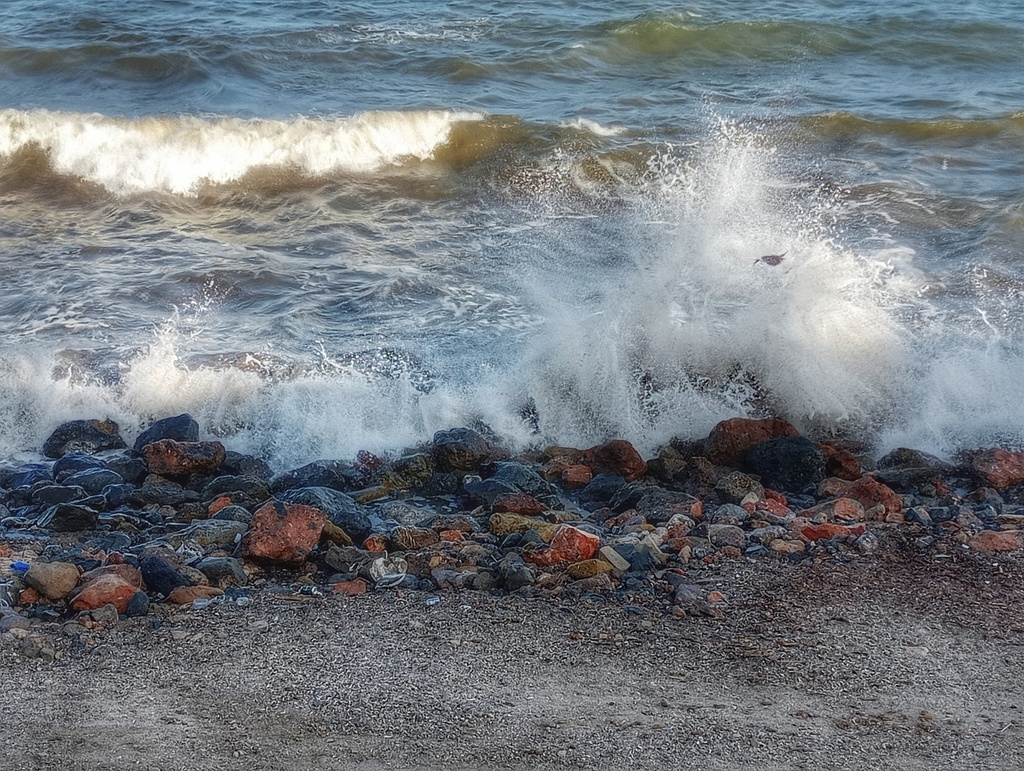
323,227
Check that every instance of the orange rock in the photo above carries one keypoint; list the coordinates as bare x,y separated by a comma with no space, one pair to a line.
588,569
568,545
106,588
813,532
618,457
999,468
283,532
183,595
773,506
220,503
869,492
167,457
783,546
453,536
29,597
840,463
992,541
376,543
576,477
351,588
730,439
716,596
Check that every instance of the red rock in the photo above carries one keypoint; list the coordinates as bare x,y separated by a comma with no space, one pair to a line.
376,543
453,536
569,545
716,596
105,589
351,588
617,457
992,541
576,477
869,492
167,457
115,558
29,597
730,439
283,532
183,595
830,487
519,503
220,503
999,468
813,532
840,463
839,510
772,506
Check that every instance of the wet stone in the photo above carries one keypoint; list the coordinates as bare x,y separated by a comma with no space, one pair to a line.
93,480
86,436
180,428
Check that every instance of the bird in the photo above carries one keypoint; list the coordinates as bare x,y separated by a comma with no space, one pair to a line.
771,259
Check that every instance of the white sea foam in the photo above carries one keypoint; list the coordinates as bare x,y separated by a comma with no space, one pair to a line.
179,155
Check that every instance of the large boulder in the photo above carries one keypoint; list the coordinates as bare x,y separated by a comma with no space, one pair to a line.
460,449
730,440
616,457
168,457
86,436
180,428
339,508
283,532
787,463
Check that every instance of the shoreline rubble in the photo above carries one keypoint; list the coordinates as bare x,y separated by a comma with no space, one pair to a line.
103,531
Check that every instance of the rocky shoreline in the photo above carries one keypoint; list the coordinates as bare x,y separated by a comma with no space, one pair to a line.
103,531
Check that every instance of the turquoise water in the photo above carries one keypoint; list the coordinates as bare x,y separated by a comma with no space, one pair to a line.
323,227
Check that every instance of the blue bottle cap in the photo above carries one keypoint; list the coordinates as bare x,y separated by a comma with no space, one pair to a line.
19,567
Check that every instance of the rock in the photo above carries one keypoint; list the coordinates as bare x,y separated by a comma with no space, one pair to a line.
515,573
105,615
252,487
992,541
106,589
410,472
160,576
903,457
352,588
283,532
234,514
730,440
184,595
602,488
86,436
180,428
335,534
727,535
139,604
51,495
999,468
523,478
345,559
11,619
93,480
53,580
339,508
487,491
331,474
519,503
28,475
728,514
167,457
129,573
787,463
412,538
238,464
588,569
503,524
839,510
825,530
869,492
785,546
619,563
460,449
68,517
616,457
74,462
840,462
734,487
657,505
576,477
569,544
212,532
767,534
129,466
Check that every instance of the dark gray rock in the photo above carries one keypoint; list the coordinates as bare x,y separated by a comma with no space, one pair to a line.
138,605
334,474
74,462
218,569
515,573
93,480
51,495
129,466
487,491
658,505
160,576
68,517
253,487
28,475
787,463
235,514
180,428
524,478
237,464
728,514
339,508
86,436
734,487
460,449
601,489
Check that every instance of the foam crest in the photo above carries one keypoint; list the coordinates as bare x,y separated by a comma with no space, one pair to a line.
180,155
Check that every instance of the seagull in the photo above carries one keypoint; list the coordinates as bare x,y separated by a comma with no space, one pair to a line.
771,259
